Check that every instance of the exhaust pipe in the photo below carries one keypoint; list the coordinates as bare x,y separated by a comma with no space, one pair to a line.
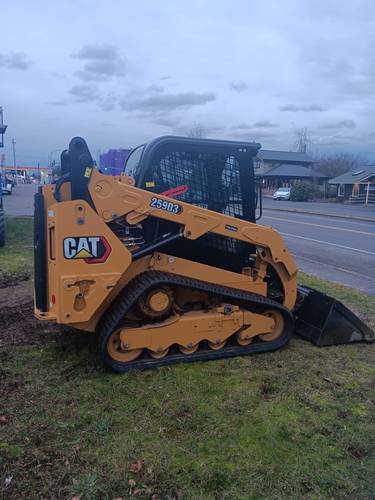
324,321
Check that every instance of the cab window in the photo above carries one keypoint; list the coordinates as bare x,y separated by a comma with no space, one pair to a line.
133,161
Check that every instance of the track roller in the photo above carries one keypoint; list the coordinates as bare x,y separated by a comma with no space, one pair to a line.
242,339
215,346
189,349
278,327
158,354
120,353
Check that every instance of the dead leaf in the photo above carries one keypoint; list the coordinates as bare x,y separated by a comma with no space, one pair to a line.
3,420
136,467
132,488
8,480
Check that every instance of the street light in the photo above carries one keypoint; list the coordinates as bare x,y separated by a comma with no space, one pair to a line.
51,153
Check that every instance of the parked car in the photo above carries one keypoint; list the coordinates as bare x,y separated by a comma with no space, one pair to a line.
282,194
7,186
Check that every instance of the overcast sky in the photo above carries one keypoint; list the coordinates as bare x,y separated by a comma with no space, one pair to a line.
121,72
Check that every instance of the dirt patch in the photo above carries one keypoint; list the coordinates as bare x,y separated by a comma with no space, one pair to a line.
20,327
18,324
8,280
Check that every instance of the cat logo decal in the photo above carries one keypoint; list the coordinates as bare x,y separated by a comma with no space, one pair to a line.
92,249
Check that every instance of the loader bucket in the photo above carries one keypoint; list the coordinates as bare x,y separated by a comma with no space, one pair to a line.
324,321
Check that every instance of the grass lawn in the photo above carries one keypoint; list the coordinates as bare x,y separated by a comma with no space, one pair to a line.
297,423
16,258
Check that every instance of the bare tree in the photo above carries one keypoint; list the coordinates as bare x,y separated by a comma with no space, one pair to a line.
303,142
337,164
197,131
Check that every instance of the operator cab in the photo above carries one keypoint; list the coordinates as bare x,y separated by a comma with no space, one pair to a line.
212,174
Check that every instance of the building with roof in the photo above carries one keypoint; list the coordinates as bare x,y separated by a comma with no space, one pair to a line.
356,186
273,158
283,168
113,161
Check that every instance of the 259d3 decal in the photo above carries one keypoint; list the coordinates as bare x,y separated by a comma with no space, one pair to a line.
92,249
165,205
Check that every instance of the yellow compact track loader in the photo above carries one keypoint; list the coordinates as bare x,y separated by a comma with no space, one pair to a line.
166,262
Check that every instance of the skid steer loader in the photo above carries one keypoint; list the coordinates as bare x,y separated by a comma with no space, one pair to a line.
166,262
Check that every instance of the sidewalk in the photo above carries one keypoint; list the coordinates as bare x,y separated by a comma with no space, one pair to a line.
365,213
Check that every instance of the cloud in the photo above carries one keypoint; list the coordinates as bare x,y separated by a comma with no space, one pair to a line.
347,77
259,124
308,108
334,140
57,103
238,86
155,88
101,52
202,129
85,93
99,70
108,102
265,124
103,62
340,124
241,126
251,136
166,121
166,102
150,101
15,60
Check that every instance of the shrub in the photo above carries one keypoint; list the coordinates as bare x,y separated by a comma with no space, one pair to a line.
304,191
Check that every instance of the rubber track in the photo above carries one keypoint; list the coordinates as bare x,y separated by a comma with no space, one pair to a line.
112,319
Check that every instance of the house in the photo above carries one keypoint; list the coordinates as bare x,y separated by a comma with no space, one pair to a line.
283,168
356,186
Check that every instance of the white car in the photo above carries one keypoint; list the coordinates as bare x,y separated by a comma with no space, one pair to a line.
7,187
282,194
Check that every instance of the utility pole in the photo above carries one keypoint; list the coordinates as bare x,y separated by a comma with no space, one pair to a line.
14,154
2,128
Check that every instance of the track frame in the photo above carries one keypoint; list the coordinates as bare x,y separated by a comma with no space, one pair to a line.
113,318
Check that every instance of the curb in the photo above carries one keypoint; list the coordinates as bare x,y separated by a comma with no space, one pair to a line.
309,212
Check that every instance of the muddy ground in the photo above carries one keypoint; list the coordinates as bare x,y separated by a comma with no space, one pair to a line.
18,324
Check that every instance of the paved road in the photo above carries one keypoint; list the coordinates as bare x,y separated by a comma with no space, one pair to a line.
21,201
340,250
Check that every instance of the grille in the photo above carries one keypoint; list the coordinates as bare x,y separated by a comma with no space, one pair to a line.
213,181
